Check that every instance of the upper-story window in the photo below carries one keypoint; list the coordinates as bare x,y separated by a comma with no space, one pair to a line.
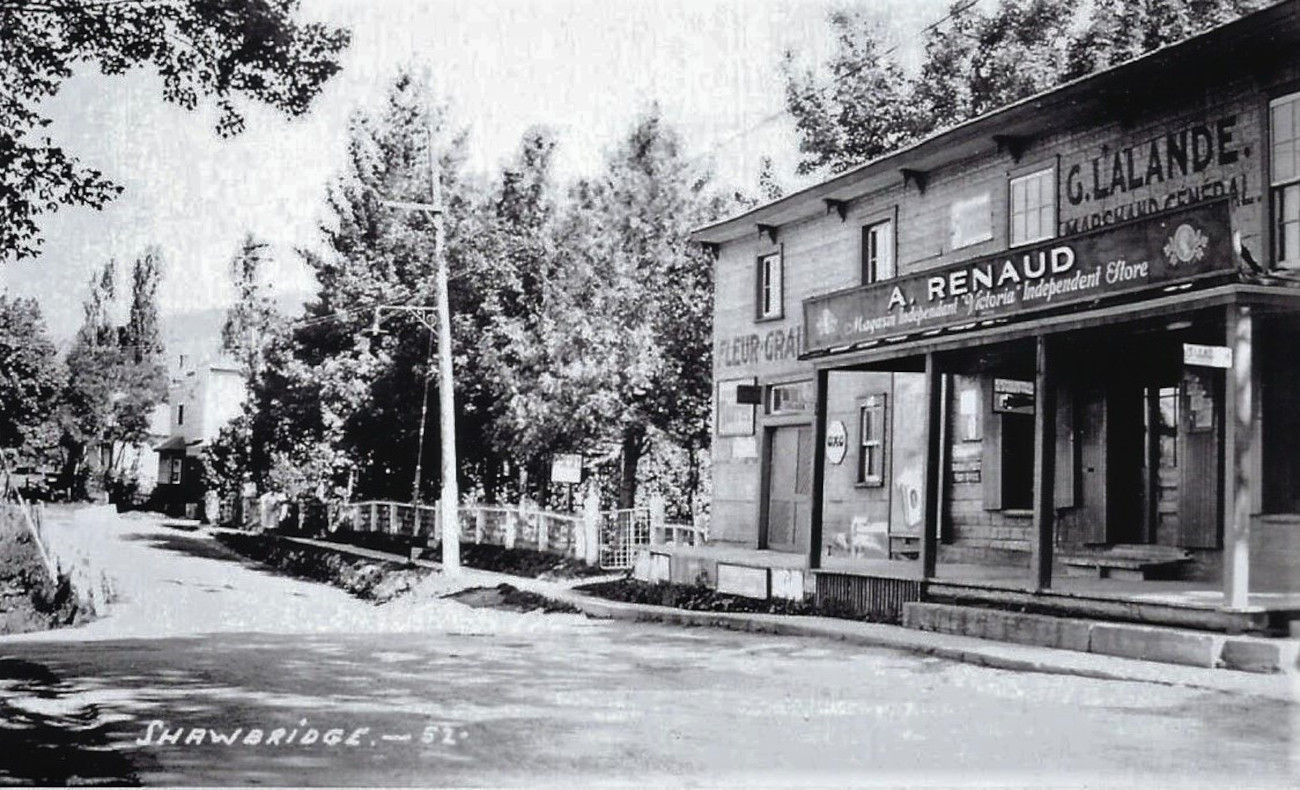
878,252
1033,207
1284,131
180,414
771,286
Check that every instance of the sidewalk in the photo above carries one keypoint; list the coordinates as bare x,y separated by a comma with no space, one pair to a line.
970,650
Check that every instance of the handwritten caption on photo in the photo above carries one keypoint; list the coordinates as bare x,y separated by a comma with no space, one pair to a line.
303,734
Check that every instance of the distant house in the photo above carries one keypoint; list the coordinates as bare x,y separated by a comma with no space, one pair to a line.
201,399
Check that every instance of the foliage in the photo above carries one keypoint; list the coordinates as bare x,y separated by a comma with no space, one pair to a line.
857,110
979,62
115,376
334,407
581,320
863,105
622,346
253,315
223,50
31,377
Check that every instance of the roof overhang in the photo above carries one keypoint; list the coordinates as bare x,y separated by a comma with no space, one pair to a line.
1256,45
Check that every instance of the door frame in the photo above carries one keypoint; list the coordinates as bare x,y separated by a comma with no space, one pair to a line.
765,478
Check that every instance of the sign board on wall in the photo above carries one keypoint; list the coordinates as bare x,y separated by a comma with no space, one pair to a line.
837,441
1207,356
1013,396
734,418
1173,247
566,468
970,221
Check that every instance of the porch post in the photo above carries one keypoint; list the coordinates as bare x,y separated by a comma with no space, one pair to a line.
933,461
1041,537
821,383
1238,440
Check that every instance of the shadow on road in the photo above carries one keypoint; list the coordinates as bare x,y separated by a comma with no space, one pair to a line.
45,745
201,547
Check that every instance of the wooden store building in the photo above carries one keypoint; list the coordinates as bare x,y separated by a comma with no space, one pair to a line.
1053,349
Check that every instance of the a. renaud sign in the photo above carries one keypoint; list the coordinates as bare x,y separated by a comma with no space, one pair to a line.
1156,251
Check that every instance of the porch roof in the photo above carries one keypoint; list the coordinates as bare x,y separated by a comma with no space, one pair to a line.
1265,297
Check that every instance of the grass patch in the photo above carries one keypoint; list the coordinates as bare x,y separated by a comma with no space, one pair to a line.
699,598
379,581
29,599
510,598
523,562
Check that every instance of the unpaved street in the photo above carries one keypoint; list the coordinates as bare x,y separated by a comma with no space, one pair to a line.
202,649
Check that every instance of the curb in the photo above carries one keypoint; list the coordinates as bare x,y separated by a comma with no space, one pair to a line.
964,649
967,650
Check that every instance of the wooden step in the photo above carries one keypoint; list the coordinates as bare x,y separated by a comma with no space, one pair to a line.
1126,561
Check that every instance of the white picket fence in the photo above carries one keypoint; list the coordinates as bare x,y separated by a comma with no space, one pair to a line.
610,538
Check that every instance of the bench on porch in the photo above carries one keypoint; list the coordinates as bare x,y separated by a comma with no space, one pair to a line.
1127,562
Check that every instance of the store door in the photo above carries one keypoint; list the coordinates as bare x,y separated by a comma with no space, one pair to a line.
1200,497
788,515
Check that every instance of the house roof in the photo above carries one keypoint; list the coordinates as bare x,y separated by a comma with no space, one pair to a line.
175,443
1254,44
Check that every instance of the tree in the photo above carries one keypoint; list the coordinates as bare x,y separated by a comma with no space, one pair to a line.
253,316
227,51
143,337
30,374
1121,30
622,349
976,60
858,109
980,61
115,376
335,406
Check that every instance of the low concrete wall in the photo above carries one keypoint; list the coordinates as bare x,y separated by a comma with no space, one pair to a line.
1123,640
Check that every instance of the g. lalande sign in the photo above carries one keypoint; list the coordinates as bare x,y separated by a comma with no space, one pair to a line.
1174,246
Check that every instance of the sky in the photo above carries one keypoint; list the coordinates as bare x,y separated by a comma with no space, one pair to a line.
585,68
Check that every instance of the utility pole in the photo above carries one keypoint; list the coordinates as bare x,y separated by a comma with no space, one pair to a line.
448,510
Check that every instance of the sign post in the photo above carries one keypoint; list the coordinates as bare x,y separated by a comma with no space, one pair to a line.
567,468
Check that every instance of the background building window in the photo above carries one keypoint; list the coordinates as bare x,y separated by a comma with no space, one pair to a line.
1033,207
180,414
771,299
1284,131
878,252
871,444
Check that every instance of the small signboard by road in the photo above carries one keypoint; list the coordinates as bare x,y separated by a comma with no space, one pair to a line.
566,468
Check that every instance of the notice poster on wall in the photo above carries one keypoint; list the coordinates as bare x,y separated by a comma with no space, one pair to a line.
734,418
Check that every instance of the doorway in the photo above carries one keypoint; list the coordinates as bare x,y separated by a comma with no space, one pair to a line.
787,516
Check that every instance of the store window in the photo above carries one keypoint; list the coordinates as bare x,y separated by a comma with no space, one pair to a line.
178,464
878,252
1033,207
1284,131
871,444
771,288
795,397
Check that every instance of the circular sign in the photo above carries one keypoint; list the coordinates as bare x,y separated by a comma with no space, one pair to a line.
837,441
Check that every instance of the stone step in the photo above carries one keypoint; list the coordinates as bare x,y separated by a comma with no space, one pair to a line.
1124,640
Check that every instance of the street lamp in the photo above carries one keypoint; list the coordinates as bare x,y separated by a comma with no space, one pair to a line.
448,516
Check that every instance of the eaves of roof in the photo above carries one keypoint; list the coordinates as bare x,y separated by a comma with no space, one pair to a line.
1254,44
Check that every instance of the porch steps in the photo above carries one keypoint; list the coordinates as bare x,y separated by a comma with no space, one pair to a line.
1124,640
1140,562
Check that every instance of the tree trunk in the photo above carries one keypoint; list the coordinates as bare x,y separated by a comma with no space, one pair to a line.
633,447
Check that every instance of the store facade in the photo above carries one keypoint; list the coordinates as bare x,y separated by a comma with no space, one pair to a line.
1056,342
